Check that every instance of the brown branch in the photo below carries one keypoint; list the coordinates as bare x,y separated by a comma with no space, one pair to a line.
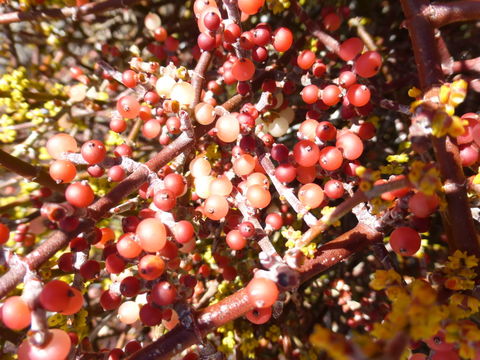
463,66
130,184
28,171
33,260
283,191
198,76
329,42
347,206
446,58
233,14
363,33
169,345
99,208
175,148
74,11
339,249
134,132
463,235
422,36
441,14
237,304
457,218
59,239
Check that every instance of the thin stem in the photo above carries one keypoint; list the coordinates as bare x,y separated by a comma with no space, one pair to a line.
59,239
74,12
28,171
134,132
469,65
347,206
199,75
285,192
363,33
234,16
441,14
237,304
457,218
329,42
445,56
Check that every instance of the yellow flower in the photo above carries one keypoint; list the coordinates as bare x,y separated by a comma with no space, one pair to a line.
395,292
369,347
425,321
56,320
384,278
365,185
463,333
360,170
415,104
401,158
414,92
462,306
273,333
425,177
326,212
335,345
212,152
423,293
309,250
461,259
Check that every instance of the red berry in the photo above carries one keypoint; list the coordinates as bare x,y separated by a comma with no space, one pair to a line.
262,292
405,241
282,39
79,194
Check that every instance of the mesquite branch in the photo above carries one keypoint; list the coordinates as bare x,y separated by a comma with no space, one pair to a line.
433,62
28,171
285,192
463,66
100,208
74,12
422,35
441,14
58,240
347,206
234,17
236,305
329,42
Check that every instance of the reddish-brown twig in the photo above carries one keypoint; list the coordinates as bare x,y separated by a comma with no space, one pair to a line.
59,239
329,42
285,192
237,304
74,11
441,14
347,206
337,250
457,215
463,66
234,16
28,171
198,75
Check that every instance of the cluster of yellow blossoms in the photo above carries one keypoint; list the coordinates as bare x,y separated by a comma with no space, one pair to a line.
444,122
418,311
277,6
23,100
